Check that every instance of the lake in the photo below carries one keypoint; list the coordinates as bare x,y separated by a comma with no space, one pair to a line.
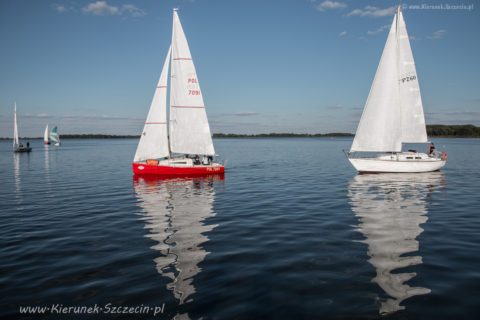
289,232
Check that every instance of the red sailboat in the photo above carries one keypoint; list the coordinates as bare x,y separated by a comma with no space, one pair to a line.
187,148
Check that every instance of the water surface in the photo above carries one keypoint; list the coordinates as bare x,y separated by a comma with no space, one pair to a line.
290,231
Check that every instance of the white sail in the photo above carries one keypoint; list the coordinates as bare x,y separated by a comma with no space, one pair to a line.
379,128
393,113
189,129
153,143
413,119
45,135
15,127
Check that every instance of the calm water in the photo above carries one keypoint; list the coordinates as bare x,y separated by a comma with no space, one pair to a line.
290,232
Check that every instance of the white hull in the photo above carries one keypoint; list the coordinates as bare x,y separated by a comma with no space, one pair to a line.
397,163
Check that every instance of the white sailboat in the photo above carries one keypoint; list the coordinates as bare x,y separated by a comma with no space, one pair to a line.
18,147
393,114
46,139
160,152
54,137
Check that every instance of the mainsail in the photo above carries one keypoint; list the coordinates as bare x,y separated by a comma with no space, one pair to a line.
153,143
393,113
45,135
189,129
413,119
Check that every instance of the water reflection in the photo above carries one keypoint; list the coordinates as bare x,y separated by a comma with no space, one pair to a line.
16,174
390,209
175,211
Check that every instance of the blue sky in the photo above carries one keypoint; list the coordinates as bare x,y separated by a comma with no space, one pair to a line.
263,66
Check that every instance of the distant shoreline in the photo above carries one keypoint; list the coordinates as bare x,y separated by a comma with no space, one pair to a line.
433,131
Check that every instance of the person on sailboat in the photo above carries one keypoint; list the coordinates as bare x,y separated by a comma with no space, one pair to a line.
197,159
431,149
28,144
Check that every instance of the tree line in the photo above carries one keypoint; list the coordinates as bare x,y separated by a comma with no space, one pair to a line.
433,130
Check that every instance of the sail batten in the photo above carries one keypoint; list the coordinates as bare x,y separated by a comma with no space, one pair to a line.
393,113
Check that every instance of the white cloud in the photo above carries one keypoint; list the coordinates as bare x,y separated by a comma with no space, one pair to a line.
370,11
378,30
341,34
133,11
101,8
437,34
325,5
59,8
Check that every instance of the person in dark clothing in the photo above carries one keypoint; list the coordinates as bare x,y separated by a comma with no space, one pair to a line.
431,148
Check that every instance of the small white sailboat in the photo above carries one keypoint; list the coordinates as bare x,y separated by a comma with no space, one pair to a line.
46,139
393,114
18,147
189,132
54,137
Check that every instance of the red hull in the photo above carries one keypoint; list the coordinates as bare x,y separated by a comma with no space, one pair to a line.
140,168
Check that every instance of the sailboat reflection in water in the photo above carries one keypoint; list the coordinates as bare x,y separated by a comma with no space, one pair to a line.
175,211
391,208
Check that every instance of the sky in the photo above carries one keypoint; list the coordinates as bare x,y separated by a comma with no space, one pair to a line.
302,66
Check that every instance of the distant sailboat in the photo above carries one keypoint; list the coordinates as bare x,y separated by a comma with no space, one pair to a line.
18,147
393,114
46,136
160,153
54,137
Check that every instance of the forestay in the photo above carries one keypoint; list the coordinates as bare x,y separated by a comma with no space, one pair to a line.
153,142
189,129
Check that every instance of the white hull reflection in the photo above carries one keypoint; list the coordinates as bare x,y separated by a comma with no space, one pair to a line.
175,210
391,208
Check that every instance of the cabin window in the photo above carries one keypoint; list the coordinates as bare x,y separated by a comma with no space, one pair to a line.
418,157
409,157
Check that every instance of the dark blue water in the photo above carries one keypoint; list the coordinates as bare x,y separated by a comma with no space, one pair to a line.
289,232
